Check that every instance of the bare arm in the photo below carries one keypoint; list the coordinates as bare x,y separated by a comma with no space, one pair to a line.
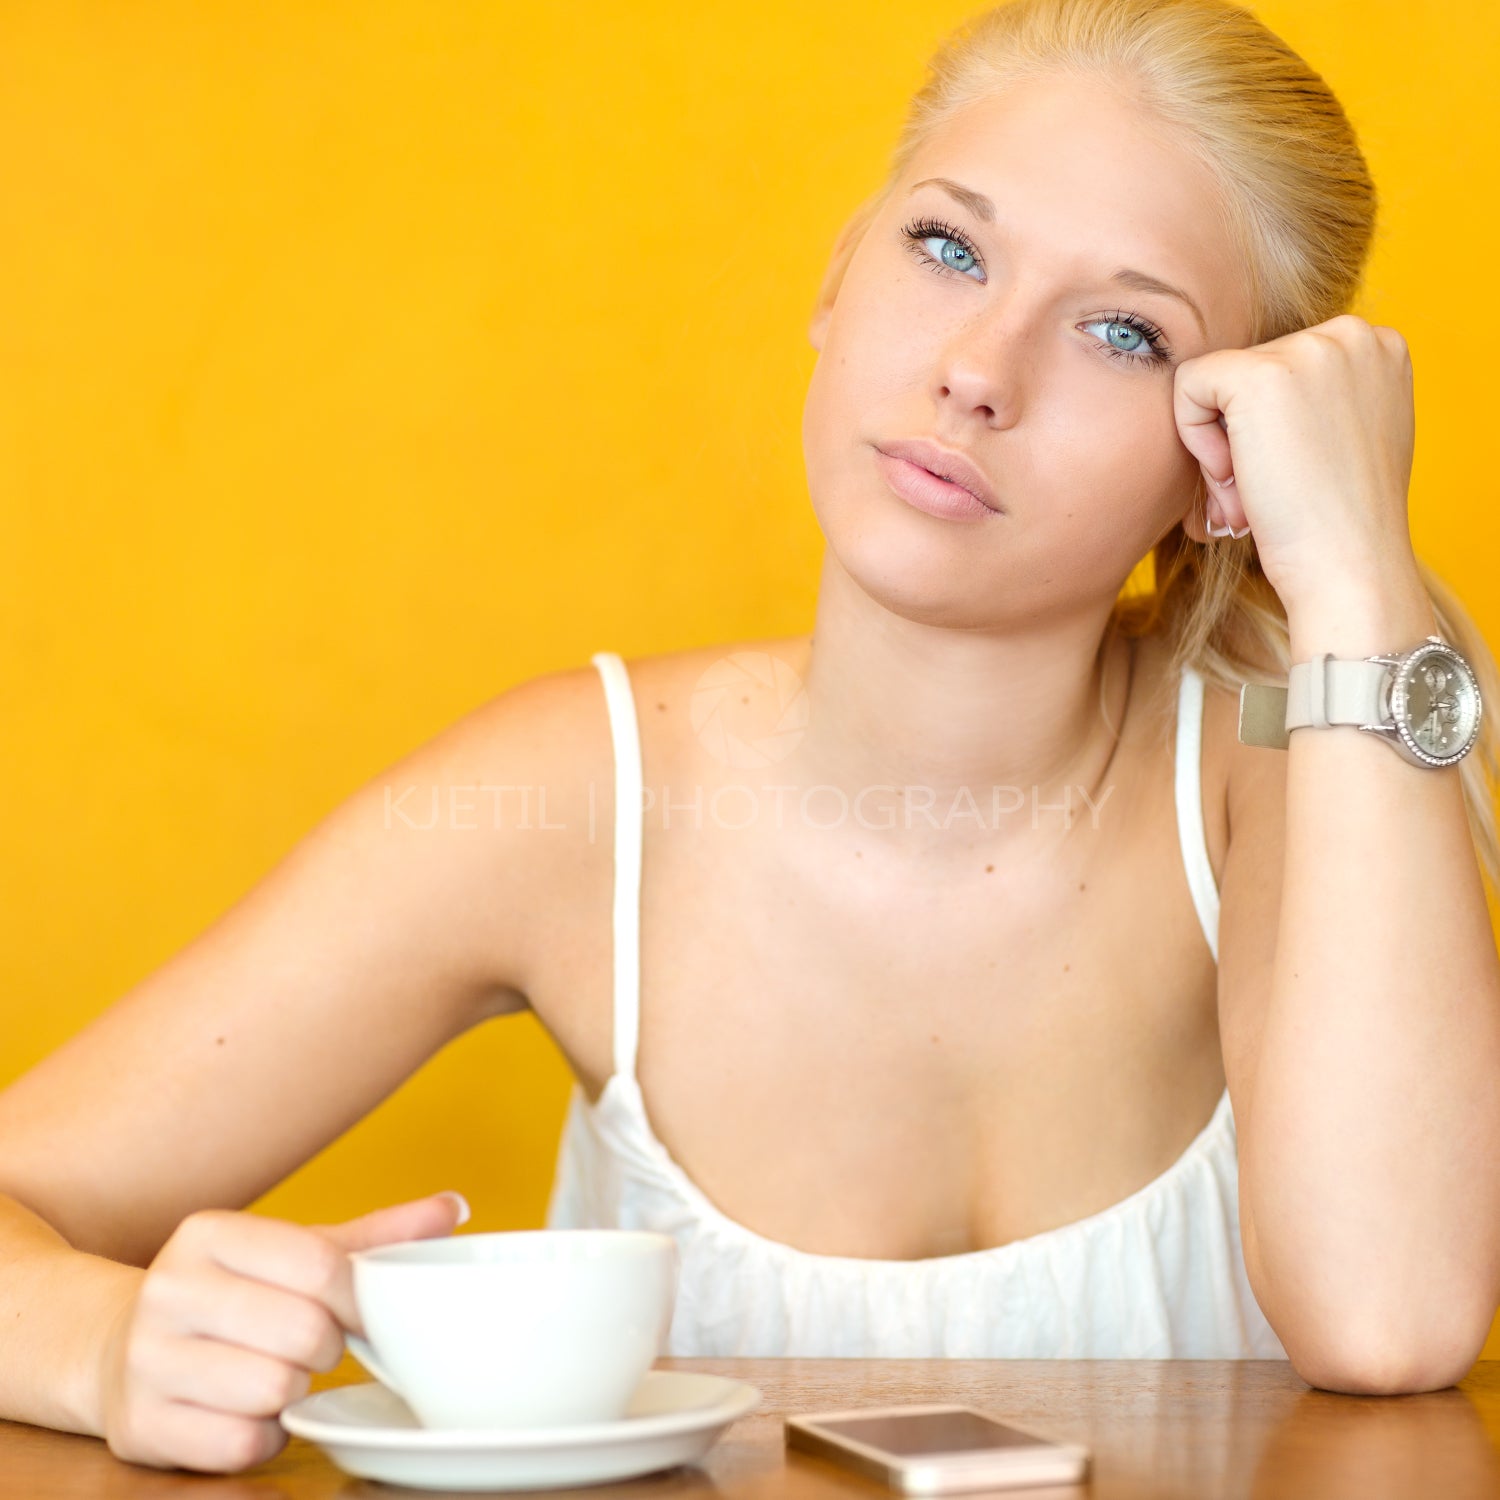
372,944
1360,1010
55,1305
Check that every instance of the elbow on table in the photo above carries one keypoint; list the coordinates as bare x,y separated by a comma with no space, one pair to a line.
1378,1362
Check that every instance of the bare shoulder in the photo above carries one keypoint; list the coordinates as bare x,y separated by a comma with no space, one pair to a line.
552,735
499,799
530,772
566,944
671,692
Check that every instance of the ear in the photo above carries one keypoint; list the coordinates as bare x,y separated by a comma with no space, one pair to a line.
838,263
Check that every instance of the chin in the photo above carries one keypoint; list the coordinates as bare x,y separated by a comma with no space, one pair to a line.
912,565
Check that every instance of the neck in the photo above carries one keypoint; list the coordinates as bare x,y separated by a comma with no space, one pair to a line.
967,735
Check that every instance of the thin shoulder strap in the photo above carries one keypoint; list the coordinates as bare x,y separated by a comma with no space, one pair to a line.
629,804
1189,783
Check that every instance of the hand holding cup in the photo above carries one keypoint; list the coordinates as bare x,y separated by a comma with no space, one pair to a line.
232,1316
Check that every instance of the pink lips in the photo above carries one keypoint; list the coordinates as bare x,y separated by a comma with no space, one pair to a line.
947,465
926,492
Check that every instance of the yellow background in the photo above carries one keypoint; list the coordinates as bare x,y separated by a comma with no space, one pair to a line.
362,359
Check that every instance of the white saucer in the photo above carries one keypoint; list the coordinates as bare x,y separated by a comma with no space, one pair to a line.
674,1417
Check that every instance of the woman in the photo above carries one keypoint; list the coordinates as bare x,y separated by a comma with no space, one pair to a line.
937,1055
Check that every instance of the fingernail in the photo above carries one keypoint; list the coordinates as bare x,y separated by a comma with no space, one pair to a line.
1221,531
463,1205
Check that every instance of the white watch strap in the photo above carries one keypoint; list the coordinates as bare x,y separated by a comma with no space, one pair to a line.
1327,691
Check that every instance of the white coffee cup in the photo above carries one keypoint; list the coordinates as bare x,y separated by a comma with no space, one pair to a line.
521,1328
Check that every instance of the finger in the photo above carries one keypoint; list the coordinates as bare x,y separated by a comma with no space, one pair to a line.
273,1251
1222,505
180,1435
1200,397
289,1257
424,1218
192,1437
1223,481
212,1303
222,1377
420,1219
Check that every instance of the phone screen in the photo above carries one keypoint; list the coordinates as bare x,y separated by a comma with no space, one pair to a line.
918,1434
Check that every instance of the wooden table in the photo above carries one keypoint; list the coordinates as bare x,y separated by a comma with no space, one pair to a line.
1198,1429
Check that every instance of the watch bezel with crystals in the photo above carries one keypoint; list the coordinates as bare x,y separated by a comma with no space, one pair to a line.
1398,727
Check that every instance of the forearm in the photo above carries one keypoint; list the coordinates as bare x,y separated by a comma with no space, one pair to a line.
1370,1162
56,1306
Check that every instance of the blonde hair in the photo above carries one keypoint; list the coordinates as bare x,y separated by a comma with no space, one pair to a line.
1299,205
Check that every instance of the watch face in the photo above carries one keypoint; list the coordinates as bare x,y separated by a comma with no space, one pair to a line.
1435,704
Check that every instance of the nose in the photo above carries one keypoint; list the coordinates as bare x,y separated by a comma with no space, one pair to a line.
985,363
981,379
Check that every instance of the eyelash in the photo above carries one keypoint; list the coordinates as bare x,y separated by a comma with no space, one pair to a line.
923,229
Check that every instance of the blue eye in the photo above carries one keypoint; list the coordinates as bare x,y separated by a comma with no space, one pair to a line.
1148,338
957,255
935,229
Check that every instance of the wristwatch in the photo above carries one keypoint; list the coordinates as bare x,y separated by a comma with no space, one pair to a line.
1424,703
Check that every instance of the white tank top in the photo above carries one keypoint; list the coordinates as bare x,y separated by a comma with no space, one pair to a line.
1158,1275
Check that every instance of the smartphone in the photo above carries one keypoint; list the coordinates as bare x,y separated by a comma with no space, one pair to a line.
936,1449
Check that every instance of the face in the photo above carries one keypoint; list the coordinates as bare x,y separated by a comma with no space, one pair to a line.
1006,338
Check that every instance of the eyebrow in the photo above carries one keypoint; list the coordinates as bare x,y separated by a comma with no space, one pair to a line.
984,209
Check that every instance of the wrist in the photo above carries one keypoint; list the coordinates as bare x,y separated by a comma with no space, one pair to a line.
97,1293
1364,622
98,1363
85,1297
